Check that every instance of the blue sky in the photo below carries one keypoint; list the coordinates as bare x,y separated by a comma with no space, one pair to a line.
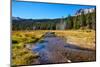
33,10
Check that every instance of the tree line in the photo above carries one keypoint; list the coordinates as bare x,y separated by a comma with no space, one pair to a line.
83,21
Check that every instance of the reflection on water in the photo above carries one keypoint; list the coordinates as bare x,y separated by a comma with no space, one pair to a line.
53,49
39,46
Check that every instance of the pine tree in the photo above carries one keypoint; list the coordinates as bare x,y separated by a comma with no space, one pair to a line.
82,20
70,22
76,22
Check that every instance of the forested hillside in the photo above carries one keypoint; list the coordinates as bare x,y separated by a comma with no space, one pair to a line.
83,21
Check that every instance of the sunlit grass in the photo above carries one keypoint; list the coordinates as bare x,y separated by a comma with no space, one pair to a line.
23,56
80,38
20,54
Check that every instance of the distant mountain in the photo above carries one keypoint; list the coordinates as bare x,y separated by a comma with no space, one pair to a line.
69,22
78,12
85,11
16,18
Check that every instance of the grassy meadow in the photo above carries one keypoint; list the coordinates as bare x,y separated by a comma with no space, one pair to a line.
81,38
20,54
23,56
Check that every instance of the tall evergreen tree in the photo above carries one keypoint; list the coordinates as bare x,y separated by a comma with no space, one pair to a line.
76,22
82,20
69,22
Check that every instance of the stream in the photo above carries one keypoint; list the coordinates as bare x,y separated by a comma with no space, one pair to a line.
52,49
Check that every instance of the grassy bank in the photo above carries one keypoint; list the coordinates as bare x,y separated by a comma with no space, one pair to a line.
81,38
22,56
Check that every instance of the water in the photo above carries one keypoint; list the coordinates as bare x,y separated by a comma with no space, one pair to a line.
42,51
48,50
39,46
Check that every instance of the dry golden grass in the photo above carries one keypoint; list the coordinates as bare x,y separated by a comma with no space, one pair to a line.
20,54
81,38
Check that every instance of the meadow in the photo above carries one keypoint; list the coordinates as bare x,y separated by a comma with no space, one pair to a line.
20,54
81,38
